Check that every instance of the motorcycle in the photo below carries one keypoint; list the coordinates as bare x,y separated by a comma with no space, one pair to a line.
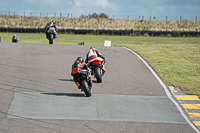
85,82
96,67
15,40
51,34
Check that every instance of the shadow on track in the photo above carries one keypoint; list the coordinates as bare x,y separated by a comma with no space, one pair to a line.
66,80
71,80
94,81
66,94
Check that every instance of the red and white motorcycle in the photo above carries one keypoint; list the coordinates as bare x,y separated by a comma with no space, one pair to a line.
96,65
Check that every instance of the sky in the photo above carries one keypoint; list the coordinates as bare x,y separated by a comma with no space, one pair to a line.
118,8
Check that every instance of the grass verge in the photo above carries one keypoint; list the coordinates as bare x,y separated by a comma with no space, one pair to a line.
177,64
97,40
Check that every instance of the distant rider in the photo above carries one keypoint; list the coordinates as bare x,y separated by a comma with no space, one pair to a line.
51,24
93,51
15,39
78,65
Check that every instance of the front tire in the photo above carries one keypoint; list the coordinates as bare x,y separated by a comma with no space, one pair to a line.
86,88
51,39
97,72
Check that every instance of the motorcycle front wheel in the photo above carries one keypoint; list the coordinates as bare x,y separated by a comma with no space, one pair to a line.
51,39
86,88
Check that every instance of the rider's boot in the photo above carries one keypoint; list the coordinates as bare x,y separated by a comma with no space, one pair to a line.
78,85
91,71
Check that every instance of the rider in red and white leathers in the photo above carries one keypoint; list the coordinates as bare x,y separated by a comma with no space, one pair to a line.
94,52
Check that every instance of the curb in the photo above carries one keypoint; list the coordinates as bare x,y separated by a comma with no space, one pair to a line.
191,104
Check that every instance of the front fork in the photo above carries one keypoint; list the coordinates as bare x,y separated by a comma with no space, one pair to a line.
89,81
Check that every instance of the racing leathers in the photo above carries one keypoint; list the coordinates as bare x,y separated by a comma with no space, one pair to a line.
94,52
15,38
50,24
76,67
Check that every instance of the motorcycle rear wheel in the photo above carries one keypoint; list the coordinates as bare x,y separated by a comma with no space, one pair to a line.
97,72
86,88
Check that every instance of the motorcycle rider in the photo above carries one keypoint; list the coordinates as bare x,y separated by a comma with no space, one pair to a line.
15,39
76,67
51,24
92,52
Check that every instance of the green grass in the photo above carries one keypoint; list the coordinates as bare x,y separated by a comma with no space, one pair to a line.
177,64
98,39
175,59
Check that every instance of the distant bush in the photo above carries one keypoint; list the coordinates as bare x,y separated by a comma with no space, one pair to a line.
176,34
103,15
94,15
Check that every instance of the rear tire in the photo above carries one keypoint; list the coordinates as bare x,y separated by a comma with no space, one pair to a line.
86,88
97,72
51,39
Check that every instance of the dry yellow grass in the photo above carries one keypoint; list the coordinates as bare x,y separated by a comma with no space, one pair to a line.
99,24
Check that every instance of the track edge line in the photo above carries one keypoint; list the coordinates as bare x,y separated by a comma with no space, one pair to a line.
166,90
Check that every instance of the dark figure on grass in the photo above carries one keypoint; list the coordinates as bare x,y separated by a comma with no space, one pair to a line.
15,39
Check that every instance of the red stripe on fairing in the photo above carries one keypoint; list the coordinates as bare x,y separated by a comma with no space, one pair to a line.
92,57
76,70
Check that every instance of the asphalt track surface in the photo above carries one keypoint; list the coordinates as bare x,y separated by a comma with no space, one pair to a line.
38,95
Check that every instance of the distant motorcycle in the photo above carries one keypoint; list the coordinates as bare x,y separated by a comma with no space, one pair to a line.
51,34
85,82
15,39
96,64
